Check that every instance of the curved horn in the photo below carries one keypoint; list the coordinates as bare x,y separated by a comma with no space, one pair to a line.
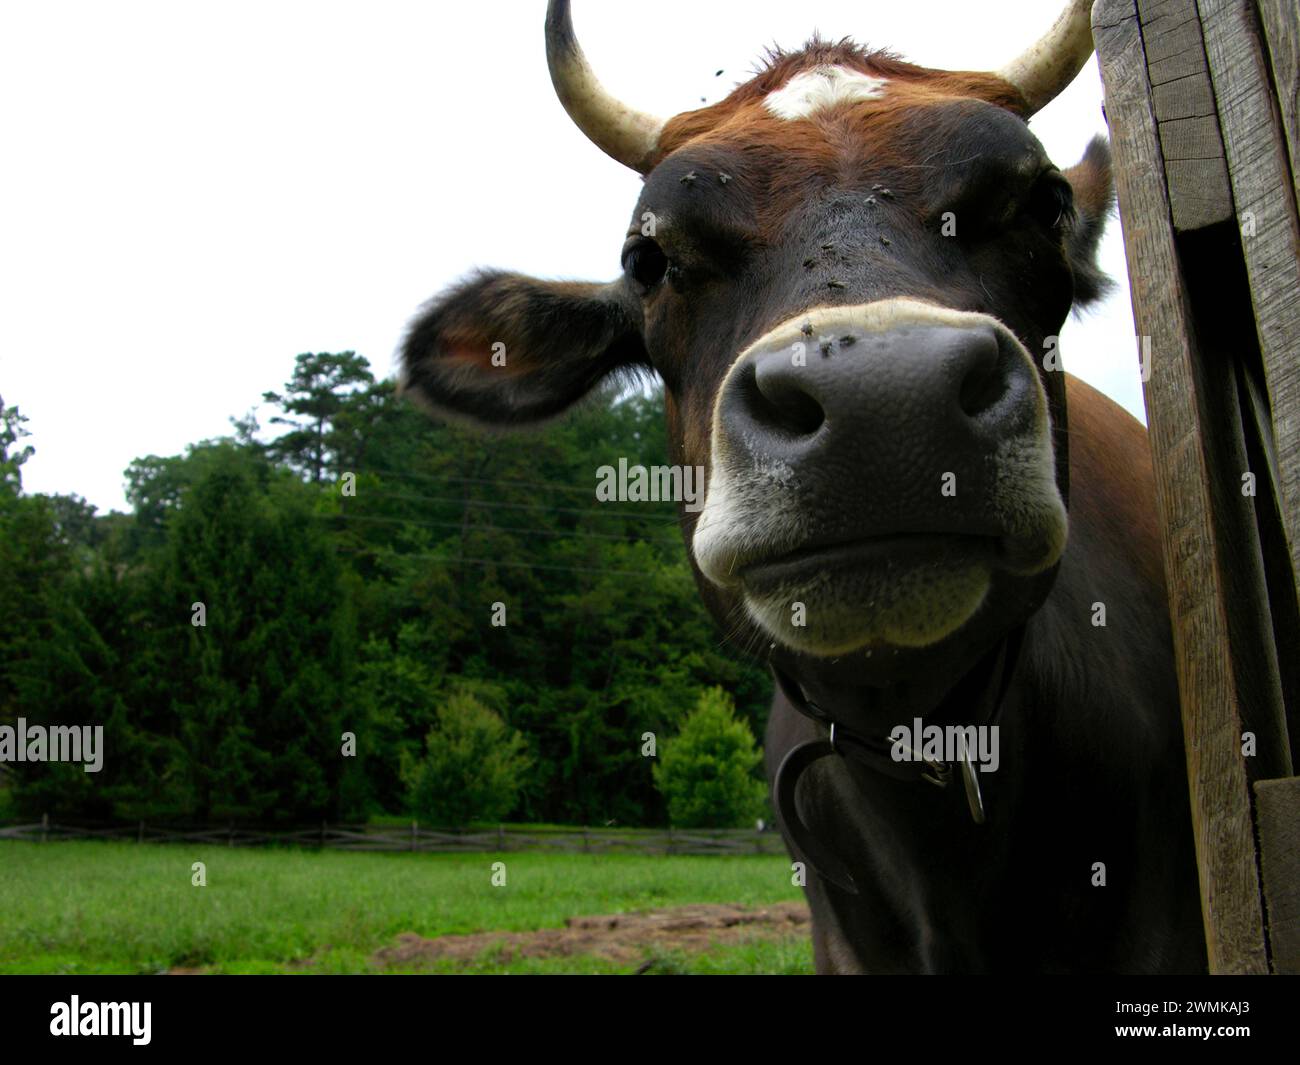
1042,72
619,131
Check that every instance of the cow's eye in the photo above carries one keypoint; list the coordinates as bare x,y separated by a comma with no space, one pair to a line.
1051,202
645,262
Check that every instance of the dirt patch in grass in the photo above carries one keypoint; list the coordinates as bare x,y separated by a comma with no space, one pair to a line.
624,938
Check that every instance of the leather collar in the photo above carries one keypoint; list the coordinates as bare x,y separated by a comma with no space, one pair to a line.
984,688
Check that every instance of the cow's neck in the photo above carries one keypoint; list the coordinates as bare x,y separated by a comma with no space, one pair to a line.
976,699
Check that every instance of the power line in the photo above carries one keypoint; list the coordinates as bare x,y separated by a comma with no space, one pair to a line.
499,528
516,565
466,502
404,475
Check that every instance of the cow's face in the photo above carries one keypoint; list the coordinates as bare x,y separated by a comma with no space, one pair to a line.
849,276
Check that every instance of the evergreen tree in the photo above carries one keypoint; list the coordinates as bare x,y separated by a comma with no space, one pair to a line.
259,687
322,412
472,769
708,771
450,565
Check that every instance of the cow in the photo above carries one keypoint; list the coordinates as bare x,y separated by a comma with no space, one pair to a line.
850,275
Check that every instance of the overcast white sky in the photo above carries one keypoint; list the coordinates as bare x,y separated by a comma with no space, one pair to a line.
194,193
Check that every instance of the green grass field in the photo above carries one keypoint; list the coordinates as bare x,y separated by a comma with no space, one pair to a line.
91,907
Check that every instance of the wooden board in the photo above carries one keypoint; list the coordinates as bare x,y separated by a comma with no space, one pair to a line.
1259,168
1194,563
1218,291
1278,803
1196,170
1282,38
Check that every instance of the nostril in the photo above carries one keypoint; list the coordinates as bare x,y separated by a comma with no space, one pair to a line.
777,401
985,380
981,390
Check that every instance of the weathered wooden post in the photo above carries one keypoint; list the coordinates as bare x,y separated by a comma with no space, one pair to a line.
1201,101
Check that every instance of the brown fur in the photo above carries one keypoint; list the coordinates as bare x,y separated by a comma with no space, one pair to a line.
742,113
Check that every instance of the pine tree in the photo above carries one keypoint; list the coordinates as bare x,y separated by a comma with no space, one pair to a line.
707,772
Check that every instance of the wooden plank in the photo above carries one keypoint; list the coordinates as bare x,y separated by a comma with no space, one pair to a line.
1196,171
1263,189
1219,291
1187,98
1220,803
436,836
361,833
1279,18
1278,805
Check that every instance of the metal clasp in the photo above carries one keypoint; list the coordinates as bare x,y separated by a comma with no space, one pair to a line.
936,773
970,777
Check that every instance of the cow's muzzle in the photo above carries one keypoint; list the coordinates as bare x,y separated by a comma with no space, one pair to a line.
877,464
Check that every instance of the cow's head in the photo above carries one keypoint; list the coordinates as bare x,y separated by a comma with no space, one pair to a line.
848,274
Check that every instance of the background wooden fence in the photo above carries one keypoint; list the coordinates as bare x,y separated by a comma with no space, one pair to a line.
414,838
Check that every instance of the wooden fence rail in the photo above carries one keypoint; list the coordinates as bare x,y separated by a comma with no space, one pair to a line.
414,838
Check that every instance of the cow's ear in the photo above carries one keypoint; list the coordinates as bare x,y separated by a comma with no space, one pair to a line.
504,350
1094,200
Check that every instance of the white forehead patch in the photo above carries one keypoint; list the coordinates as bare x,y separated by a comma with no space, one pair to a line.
814,90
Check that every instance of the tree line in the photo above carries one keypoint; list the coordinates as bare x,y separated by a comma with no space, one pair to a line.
358,611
